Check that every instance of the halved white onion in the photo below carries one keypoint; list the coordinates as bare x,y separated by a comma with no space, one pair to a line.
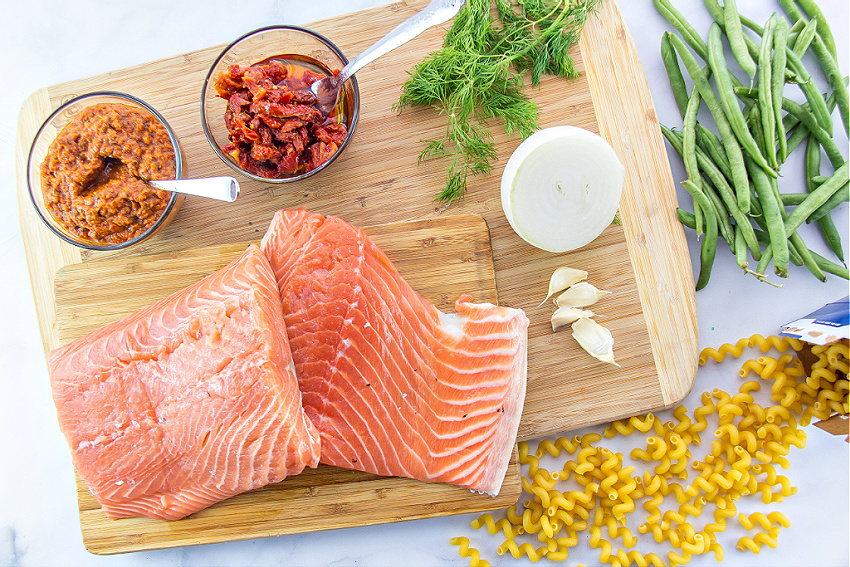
561,188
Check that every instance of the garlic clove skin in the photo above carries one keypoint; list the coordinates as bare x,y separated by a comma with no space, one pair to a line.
581,294
562,278
564,316
595,339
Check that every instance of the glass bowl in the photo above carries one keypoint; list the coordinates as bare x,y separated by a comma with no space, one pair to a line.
48,131
288,44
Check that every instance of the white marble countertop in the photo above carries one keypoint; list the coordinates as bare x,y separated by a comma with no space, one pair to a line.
45,42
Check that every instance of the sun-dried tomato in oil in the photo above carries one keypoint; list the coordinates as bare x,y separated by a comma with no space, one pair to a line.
273,128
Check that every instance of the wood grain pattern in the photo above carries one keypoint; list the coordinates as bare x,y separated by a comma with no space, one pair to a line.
643,261
441,258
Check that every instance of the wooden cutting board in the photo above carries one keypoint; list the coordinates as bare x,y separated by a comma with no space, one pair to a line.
441,258
643,260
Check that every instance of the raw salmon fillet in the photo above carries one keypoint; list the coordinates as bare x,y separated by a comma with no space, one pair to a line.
186,402
394,386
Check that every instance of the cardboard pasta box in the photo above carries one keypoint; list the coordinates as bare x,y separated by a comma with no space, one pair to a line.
827,326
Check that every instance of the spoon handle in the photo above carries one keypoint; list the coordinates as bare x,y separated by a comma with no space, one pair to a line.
437,12
223,188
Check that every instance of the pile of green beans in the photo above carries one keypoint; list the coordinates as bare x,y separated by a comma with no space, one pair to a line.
733,176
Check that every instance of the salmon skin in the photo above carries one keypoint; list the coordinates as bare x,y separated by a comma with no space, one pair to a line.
186,402
395,386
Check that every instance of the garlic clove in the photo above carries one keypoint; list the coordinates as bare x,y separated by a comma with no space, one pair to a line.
581,294
564,316
562,278
595,339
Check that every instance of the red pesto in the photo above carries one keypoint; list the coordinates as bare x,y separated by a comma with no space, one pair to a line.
274,129
95,175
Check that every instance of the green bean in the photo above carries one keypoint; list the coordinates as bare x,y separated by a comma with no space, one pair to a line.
797,27
810,122
777,72
798,135
740,248
708,249
678,21
827,226
728,203
720,198
806,119
837,83
795,241
755,211
792,252
809,262
716,11
830,267
799,254
810,90
730,143
796,247
764,262
792,199
824,30
717,62
686,218
824,49
789,121
713,147
689,137
840,196
718,14
735,35
817,198
765,99
674,74
805,38
771,210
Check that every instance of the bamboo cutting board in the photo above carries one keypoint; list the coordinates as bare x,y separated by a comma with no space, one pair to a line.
644,260
441,258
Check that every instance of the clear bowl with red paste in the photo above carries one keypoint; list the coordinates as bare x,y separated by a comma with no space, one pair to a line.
89,168
257,110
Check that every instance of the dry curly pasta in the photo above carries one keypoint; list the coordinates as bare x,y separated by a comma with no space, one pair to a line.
493,526
750,442
765,344
629,426
634,557
464,550
754,544
615,530
721,514
720,353
766,521
560,444
517,551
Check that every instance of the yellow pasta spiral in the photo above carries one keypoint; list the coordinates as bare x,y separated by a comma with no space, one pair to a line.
766,521
493,526
754,544
465,551
526,549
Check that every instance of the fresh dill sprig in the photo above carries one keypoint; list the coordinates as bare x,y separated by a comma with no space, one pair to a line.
477,77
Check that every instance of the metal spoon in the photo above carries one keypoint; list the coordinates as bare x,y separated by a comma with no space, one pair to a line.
224,188
438,11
